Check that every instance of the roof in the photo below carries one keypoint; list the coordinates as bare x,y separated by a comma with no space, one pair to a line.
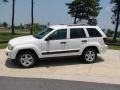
58,26
72,25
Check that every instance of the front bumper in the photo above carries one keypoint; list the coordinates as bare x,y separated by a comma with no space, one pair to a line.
10,53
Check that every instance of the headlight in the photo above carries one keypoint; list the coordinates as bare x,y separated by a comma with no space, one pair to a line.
10,47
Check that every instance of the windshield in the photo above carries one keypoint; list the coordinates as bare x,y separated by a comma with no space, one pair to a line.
43,33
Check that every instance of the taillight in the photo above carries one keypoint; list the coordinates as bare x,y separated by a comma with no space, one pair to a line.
105,40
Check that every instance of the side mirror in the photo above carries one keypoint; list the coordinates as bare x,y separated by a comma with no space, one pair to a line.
48,39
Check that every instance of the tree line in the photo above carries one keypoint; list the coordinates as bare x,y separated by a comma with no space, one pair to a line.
83,11
23,27
110,33
4,24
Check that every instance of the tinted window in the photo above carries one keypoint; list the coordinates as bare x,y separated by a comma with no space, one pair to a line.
59,34
93,32
77,33
43,33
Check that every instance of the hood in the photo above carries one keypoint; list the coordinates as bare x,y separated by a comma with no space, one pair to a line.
23,40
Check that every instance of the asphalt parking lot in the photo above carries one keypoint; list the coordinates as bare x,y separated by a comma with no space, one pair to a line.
8,83
105,70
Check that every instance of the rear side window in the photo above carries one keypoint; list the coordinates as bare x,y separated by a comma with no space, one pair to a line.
77,33
93,32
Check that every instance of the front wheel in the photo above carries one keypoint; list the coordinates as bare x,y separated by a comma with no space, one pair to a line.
89,55
26,59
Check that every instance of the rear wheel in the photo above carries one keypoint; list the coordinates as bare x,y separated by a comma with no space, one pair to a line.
26,59
89,55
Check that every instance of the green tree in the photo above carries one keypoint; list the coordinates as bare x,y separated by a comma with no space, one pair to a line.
0,24
84,10
4,24
21,27
115,16
109,33
5,0
37,27
118,34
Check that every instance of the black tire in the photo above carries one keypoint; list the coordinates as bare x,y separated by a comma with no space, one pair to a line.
22,59
89,59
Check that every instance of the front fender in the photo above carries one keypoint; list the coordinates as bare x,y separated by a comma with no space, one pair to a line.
28,46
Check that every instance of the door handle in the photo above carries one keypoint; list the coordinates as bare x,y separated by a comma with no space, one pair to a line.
84,40
62,42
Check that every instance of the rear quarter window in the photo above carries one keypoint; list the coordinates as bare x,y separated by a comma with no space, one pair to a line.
93,32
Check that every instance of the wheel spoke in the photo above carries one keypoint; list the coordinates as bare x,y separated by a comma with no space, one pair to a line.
90,55
26,56
26,60
29,62
30,58
23,59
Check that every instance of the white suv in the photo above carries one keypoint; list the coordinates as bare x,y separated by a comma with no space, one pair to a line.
58,41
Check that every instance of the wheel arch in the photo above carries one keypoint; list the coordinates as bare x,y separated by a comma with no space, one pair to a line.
28,49
93,47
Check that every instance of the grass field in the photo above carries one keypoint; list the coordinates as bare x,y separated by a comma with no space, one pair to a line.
114,47
3,45
6,36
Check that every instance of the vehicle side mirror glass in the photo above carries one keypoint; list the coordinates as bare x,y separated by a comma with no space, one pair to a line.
48,39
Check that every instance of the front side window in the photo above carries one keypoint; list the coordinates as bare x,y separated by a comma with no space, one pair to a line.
59,34
93,32
77,33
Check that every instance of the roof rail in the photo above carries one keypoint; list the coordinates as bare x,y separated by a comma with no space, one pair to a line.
77,25
62,24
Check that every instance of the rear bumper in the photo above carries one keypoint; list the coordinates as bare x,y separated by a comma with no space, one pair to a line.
104,49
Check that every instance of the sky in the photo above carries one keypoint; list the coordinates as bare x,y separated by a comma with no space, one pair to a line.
53,11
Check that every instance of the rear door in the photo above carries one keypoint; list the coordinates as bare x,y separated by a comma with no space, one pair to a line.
77,38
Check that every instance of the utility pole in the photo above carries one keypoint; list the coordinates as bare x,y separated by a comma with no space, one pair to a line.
32,16
13,17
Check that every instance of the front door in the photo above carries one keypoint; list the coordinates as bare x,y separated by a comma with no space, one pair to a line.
55,44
